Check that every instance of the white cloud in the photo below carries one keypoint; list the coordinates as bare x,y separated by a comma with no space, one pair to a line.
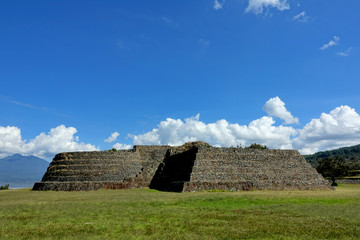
59,139
257,6
332,42
276,108
203,42
112,137
169,22
10,141
221,133
345,53
165,19
120,146
29,106
339,128
301,17
218,5
120,44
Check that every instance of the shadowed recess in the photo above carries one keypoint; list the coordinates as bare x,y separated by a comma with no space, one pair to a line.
174,171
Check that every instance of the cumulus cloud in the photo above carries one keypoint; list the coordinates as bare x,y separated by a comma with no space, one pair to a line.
218,5
221,133
112,137
59,139
257,6
120,146
10,140
276,108
332,42
339,128
301,17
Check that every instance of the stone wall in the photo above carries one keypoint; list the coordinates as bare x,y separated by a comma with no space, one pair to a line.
192,167
96,170
348,180
246,169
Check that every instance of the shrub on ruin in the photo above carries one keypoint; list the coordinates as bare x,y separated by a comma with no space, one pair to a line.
257,146
112,150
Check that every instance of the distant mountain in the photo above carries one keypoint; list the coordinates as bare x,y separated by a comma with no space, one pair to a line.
350,154
21,171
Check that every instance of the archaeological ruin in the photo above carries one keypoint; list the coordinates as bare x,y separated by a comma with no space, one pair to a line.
194,166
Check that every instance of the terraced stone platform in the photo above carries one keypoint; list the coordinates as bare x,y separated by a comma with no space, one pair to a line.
194,166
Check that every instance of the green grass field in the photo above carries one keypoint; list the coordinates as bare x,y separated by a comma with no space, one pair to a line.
148,214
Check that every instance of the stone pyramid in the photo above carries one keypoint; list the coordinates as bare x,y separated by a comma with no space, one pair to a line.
194,166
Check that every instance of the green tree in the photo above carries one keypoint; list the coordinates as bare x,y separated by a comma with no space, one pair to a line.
332,168
6,187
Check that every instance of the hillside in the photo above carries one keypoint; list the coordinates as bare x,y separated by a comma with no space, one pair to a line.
350,154
21,171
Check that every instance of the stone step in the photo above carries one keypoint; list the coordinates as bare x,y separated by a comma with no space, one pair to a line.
105,177
84,185
101,171
93,161
263,176
113,166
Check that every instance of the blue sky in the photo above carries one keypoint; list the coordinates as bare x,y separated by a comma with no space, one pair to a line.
74,72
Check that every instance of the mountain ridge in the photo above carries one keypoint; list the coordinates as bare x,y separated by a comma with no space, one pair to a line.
21,171
351,155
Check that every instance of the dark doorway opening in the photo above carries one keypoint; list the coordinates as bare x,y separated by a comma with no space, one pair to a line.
174,171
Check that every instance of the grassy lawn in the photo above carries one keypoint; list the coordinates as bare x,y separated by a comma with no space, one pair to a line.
148,214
